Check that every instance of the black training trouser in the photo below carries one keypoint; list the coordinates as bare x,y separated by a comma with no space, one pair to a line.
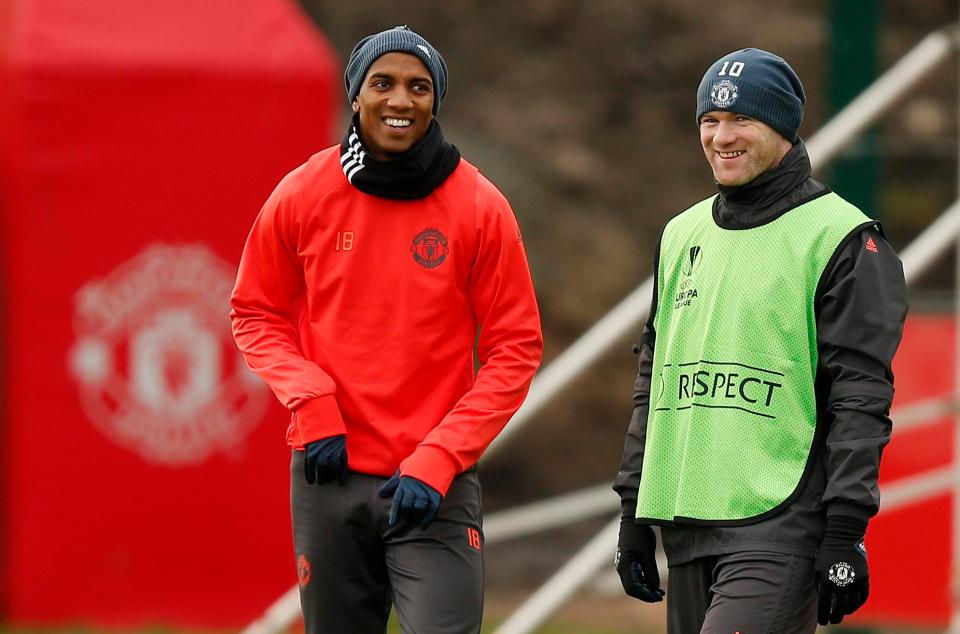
352,566
752,592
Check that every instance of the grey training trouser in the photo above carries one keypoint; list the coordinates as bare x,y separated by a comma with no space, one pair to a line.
352,566
751,592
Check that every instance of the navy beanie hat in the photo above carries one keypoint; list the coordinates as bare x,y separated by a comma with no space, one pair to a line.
399,39
755,83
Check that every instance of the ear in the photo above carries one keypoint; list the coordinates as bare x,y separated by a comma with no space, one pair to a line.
355,105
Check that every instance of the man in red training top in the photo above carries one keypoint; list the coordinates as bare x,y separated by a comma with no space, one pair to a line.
368,276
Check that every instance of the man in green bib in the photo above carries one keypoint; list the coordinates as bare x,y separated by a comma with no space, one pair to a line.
762,399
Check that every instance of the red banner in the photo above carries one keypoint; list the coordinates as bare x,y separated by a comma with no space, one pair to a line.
910,546
145,470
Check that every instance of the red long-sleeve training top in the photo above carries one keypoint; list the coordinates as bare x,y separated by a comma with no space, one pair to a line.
361,314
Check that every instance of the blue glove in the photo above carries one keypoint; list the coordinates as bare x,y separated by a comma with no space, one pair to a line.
326,460
413,501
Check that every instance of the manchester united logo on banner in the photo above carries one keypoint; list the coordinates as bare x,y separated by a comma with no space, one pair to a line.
157,368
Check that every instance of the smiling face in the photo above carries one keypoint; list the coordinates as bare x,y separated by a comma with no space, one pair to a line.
395,104
739,148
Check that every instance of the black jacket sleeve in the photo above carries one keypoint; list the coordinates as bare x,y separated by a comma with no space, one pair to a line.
862,304
627,482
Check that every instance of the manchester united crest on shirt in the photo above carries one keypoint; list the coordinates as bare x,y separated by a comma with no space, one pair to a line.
430,248
157,369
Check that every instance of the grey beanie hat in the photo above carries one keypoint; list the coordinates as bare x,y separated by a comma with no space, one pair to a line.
399,39
755,83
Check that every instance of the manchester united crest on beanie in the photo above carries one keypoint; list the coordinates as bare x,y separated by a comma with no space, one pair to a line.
755,83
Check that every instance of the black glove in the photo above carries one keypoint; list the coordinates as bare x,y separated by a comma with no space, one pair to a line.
326,460
413,501
636,561
843,580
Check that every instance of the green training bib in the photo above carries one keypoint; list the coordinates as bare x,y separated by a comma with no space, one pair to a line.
732,406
